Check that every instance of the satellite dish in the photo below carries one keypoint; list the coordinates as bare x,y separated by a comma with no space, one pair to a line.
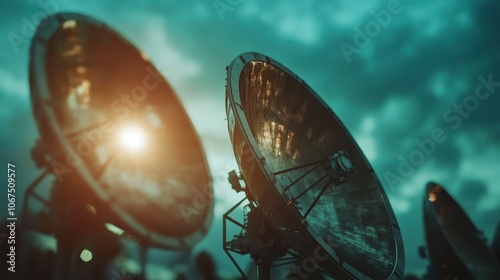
495,244
115,135
304,172
456,248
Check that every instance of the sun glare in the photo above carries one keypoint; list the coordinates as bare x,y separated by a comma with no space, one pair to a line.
132,138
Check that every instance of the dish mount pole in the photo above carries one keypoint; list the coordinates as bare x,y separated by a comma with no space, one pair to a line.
263,243
257,236
71,223
143,250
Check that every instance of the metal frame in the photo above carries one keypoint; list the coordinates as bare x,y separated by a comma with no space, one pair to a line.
30,192
225,246
264,272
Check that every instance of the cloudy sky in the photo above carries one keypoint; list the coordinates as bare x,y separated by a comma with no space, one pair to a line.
425,68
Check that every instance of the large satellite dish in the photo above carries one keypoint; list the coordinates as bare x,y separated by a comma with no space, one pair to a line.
456,248
304,172
115,134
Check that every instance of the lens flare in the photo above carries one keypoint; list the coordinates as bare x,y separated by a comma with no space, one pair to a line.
86,255
132,138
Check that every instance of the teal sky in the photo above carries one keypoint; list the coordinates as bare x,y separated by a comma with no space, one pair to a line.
413,74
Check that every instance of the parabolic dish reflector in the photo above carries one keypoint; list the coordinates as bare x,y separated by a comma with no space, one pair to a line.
455,245
278,123
109,120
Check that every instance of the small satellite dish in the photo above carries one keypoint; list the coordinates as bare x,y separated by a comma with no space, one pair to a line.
108,119
456,248
305,175
495,244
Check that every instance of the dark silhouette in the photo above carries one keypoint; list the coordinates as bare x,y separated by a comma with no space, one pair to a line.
205,266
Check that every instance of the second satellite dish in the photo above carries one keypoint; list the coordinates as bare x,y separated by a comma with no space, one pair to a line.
456,248
109,120
305,172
